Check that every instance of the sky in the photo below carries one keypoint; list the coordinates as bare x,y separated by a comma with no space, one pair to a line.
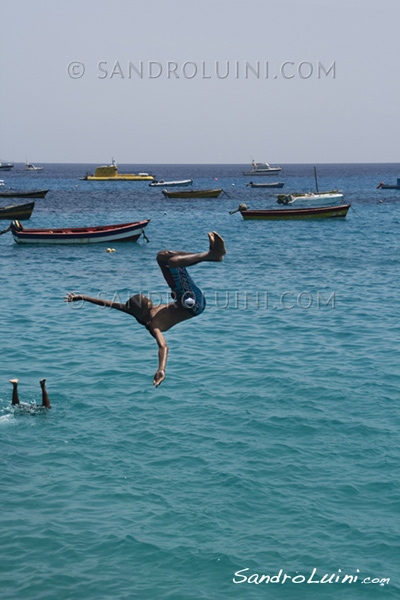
222,81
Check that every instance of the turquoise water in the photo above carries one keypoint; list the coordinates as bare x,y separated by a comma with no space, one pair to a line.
272,444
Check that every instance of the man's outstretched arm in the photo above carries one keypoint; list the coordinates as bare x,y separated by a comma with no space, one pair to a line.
72,297
162,355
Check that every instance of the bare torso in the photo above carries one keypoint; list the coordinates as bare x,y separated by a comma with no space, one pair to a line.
165,316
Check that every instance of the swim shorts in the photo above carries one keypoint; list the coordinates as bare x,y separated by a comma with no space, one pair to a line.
186,291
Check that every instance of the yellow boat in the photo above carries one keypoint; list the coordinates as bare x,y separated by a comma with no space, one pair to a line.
110,173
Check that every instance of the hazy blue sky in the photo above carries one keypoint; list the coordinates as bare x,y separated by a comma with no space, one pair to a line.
292,115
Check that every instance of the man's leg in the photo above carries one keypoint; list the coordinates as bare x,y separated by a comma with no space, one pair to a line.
187,259
15,398
45,398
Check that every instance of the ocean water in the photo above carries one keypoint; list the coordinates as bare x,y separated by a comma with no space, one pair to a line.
273,443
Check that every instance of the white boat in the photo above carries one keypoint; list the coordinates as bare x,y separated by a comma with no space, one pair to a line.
162,183
262,169
6,166
312,199
31,167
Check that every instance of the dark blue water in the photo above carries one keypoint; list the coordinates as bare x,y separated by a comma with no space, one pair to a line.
273,443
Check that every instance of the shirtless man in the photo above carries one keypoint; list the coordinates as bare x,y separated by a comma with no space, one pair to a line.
15,397
188,298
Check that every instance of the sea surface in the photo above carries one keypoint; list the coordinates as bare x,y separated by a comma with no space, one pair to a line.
271,448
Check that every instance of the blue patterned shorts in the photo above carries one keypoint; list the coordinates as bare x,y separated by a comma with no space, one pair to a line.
186,291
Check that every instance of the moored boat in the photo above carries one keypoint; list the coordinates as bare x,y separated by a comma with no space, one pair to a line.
162,183
387,186
17,211
22,194
6,166
278,184
125,232
318,212
31,167
319,198
262,169
110,173
193,194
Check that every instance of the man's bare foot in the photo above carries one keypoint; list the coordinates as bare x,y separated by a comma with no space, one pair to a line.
217,246
14,381
42,382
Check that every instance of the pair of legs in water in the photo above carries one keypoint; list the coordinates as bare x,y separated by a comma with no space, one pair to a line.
15,397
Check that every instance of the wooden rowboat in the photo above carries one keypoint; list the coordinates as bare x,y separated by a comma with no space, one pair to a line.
388,186
318,212
126,232
162,183
22,194
192,194
17,211
278,184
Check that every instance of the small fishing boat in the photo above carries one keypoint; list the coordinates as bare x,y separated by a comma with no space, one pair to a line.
110,173
318,212
278,184
17,211
320,198
22,194
262,169
126,232
6,166
386,186
193,194
162,183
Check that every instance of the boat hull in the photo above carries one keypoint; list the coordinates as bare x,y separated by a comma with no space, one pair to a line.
21,194
266,172
318,199
297,213
119,178
21,212
125,232
192,194
388,186
279,184
183,183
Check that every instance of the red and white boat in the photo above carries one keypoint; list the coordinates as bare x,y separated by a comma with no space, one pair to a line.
125,232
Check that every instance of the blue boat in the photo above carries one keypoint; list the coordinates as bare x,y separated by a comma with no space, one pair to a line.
385,186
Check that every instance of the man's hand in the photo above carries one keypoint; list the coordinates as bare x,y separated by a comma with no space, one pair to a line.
72,297
159,377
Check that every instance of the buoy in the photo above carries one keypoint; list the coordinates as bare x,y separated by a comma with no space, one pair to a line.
216,179
110,249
